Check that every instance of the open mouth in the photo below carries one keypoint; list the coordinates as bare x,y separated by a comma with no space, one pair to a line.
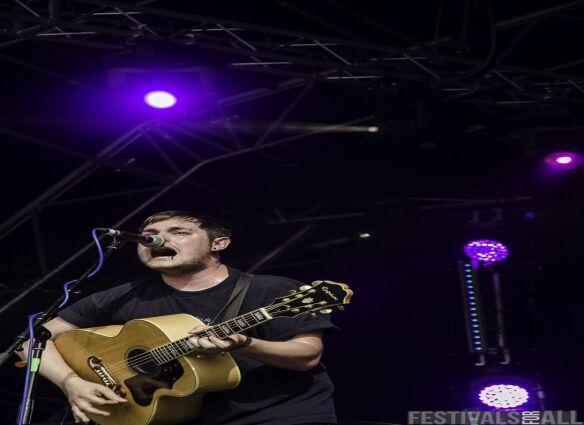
162,252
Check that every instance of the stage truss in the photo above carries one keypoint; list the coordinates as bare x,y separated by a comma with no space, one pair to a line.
113,29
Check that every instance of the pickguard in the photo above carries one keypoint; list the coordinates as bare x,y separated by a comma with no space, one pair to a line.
151,377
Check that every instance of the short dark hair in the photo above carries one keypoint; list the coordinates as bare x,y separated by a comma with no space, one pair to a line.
214,227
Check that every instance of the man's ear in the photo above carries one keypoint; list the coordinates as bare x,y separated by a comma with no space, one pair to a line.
219,244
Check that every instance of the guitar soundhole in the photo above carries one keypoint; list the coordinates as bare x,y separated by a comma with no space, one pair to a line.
142,363
150,376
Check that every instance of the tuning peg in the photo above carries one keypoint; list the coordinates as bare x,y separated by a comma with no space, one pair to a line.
305,287
340,307
326,311
293,291
313,314
316,282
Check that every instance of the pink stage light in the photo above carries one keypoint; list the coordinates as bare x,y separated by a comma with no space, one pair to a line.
563,160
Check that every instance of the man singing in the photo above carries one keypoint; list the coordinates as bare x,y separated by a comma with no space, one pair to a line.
283,381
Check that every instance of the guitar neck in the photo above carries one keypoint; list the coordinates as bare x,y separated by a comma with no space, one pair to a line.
176,349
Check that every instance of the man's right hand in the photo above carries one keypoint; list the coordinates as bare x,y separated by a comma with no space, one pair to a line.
83,395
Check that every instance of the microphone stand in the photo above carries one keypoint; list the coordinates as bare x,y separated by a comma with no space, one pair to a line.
42,335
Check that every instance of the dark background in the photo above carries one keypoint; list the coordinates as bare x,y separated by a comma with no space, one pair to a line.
445,167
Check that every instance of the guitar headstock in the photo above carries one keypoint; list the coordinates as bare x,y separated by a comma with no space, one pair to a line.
321,295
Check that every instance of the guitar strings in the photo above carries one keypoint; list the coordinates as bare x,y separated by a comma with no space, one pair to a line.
149,357
135,360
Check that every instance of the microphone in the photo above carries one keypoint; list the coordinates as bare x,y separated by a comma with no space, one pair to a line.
150,241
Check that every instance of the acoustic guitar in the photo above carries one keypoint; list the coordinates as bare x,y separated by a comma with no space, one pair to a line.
148,361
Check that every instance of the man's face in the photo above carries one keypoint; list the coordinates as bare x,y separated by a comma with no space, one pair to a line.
187,247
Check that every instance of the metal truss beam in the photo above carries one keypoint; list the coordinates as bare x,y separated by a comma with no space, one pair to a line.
519,20
65,184
457,203
150,130
99,160
287,244
163,191
104,158
302,54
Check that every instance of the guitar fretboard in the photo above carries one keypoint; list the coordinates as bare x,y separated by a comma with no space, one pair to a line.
176,349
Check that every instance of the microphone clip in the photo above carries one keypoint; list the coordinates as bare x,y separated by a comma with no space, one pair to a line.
115,241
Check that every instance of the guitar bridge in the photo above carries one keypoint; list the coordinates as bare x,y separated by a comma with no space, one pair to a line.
104,375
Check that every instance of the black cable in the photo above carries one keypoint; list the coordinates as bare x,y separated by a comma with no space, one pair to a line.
474,89
485,65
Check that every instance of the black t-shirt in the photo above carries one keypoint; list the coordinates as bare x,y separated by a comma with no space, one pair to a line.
266,395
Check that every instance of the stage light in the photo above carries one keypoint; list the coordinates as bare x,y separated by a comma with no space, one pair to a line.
160,99
364,235
473,309
503,396
486,251
563,160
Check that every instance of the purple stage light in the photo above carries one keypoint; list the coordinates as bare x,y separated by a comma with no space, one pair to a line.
160,99
486,251
563,160
504,396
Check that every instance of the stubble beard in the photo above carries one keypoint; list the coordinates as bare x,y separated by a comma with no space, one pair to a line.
195,266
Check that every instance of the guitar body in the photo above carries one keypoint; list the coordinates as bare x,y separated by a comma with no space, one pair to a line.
163,394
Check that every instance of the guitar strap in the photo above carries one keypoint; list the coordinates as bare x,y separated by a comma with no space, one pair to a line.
231,309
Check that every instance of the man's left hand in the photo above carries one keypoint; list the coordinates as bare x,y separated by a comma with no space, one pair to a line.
214,345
